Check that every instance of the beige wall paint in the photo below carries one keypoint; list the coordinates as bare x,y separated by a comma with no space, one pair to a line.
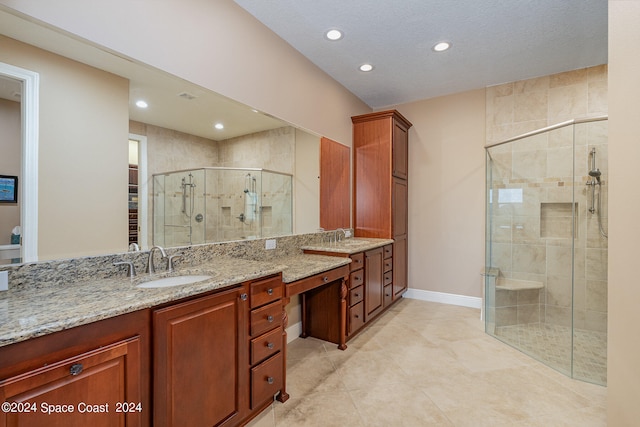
10,160
83,168
624,206
217,45
446,192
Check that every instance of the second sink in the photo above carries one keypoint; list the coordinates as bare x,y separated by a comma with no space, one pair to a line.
173,281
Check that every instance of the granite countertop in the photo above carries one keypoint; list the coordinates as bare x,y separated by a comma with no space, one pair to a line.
349,246
300,266
32,311
29,312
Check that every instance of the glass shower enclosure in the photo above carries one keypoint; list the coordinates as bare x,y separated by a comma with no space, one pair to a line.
546,246
216,204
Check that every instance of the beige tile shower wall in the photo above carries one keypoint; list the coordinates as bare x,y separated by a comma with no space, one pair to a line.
530,236
169,150
274,150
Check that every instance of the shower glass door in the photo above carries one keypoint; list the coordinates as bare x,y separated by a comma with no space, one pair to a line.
545,272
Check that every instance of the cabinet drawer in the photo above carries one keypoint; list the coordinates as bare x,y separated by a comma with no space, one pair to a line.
388,295
356,279
266,345
265,291
388,264
388,278
357,261
266,318
356,317
387,251
266,380
356,295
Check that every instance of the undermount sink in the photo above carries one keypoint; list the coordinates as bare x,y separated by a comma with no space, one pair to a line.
167,282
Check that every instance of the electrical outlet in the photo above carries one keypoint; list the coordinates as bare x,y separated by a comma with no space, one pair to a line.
270,244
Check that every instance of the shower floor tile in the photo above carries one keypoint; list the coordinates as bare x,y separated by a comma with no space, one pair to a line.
551,344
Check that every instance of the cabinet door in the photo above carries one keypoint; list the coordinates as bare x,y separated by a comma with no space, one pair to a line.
88,390
400,207
198,350
400,151
373,297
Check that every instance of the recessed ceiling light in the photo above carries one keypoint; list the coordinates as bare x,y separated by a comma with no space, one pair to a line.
219,126
141,104
442,46
366,67
333,34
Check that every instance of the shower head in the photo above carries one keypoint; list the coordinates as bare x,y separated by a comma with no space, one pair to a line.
595,173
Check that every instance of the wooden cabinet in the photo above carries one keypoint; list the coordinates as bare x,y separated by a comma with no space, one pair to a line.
97,388
373,298
218,359
266,341
380,163
200,361
93,375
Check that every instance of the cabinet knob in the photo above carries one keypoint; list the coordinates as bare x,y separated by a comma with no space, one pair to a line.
270,380
270,291
244,297
269,318
387,295
358,278
357,316
270,345
76,369
357,295
325,279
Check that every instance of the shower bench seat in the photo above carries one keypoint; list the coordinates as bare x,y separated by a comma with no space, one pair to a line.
517,285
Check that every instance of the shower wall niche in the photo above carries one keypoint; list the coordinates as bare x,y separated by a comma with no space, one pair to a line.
216,204
546,265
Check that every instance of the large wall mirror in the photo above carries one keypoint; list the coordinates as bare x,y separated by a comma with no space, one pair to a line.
98,151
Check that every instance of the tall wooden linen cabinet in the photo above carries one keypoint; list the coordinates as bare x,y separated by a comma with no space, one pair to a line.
380,168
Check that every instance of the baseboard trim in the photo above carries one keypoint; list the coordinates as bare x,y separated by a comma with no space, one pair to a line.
294,331
444,298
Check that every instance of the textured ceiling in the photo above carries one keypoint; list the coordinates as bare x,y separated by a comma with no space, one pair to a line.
494,41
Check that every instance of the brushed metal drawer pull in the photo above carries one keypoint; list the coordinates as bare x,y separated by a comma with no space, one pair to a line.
270,380
269,318
270,345
325,279
269,291
76,369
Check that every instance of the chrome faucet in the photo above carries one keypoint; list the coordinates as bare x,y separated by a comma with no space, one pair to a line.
150,266
337,235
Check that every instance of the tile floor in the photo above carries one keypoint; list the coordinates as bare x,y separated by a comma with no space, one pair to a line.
428,364
551,344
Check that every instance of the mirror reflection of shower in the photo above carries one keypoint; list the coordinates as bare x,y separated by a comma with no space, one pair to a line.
191,185
250,201
188,190
594,182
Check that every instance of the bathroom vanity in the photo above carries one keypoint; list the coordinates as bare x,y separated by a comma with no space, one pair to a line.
83,350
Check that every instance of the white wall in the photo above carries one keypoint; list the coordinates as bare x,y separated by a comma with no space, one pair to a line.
624,206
